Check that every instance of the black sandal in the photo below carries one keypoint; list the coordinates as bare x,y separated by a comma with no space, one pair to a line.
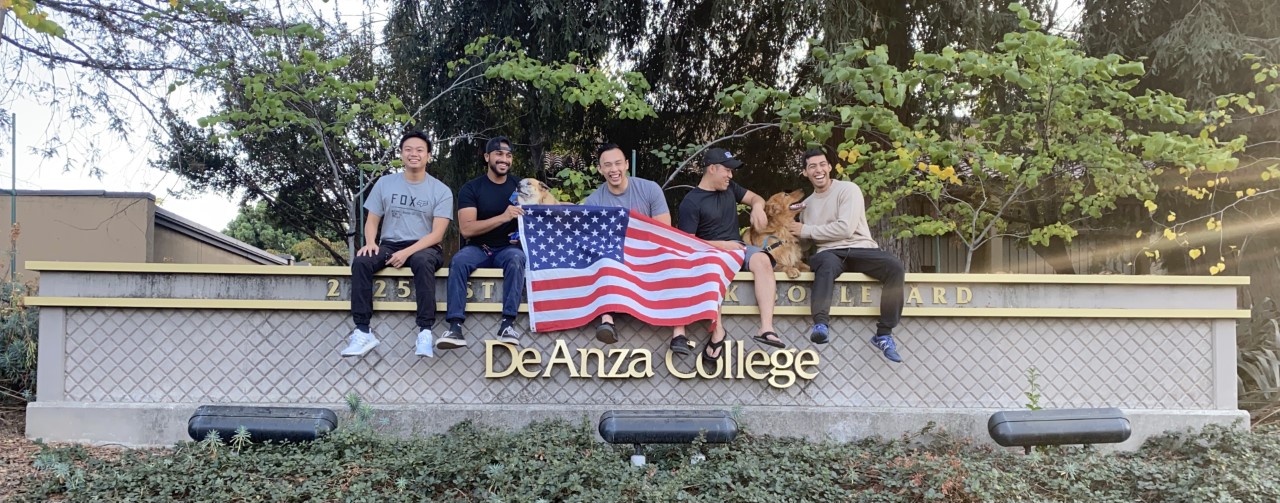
713,360
605,333
680,345
764,339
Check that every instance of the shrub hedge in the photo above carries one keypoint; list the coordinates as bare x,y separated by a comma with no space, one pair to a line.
559,461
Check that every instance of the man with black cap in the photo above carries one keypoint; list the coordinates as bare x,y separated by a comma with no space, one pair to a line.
486,219
710,212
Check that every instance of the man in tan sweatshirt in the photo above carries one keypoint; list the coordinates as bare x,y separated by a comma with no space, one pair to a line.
835,221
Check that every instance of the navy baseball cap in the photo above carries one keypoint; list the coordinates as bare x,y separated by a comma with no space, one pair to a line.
497,143
722,157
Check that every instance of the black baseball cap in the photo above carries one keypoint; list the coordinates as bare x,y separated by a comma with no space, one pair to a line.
722,157
497,143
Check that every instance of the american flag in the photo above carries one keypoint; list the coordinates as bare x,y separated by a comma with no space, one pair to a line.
584,261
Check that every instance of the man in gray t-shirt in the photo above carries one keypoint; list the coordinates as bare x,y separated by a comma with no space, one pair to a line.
623,191
414,210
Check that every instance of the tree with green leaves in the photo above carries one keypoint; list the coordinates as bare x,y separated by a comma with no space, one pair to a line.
1033,142
253,226
306,123
107,63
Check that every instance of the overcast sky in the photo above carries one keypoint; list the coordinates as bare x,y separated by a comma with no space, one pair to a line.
125,163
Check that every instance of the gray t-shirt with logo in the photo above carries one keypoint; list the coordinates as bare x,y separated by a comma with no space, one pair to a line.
641,195
408,210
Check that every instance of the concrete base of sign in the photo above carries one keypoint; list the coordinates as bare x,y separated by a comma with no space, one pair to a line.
148,425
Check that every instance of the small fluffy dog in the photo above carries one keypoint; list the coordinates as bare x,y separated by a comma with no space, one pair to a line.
776,238
533,191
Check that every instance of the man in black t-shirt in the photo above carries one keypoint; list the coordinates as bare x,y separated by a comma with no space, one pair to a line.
710,212
486,220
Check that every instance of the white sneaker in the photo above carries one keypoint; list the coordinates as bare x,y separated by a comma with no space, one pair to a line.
424,345
360,343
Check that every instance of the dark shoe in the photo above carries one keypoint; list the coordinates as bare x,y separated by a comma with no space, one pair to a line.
508,335
775,342
706,356
820,334
606,334
886,345
452,339
680,345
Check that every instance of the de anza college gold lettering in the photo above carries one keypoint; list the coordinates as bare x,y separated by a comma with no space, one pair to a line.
781,368
848,295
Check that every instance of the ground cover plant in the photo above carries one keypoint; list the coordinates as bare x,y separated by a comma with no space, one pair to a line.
561,461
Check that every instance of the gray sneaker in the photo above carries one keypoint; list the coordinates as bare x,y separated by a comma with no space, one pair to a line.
451,340
360,343
509,335
423,347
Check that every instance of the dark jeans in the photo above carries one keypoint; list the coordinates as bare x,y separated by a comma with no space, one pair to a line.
423,264
508,258
878,264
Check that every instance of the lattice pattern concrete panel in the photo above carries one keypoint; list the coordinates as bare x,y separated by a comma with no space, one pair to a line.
220,356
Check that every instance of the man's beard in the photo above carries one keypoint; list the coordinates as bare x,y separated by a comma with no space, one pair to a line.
493,168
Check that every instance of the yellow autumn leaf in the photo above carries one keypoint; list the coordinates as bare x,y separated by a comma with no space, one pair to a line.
1157,254
1214,270
1195,254
1239,193
1170,235
853,155
1210,183
173,3
1138,235
1266,176
1172,216
1148,254
1250,192
1150,205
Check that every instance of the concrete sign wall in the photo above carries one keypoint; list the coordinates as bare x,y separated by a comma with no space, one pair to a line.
128,351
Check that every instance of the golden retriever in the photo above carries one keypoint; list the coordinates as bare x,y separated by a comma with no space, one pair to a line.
533,191
776,238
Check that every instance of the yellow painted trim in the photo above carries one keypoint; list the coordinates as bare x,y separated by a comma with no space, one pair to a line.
272,270
1039,279
1036,279
1008,312
494,307
293,305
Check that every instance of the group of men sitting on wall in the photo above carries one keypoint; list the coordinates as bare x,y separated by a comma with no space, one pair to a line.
413,210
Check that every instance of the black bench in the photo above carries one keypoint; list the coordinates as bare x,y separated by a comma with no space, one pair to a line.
639,427
1028,428
277,424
